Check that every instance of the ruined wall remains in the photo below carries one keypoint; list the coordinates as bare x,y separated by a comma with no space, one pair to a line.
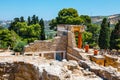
65,41
36,68
112,61
72,47
57,44
107,73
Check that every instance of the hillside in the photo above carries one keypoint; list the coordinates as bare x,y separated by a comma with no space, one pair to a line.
112,18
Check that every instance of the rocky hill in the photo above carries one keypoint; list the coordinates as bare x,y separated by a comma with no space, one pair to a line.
112,18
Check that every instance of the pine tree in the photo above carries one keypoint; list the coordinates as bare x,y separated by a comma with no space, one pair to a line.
115,37
42,36
104,36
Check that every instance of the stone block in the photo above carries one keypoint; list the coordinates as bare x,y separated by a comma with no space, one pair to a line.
98,59
49,55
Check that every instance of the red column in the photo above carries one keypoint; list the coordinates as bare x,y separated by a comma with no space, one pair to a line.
80,40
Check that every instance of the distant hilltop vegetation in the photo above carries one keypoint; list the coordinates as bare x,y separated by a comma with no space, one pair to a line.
95,19
112,18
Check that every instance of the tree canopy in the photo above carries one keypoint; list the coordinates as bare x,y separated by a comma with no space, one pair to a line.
8,38
66,16
30,30
22,32
71,16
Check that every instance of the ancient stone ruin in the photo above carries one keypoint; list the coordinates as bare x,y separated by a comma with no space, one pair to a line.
59,59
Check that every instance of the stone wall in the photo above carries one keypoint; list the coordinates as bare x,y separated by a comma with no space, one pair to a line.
112,61
57,44
64,42
72,47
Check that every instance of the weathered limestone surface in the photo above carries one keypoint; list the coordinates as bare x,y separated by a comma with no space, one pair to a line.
36,68
18,71
108,73
112,61
99,59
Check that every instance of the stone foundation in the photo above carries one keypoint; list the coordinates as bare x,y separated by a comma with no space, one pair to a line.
112,61
108,73
36,68
18,71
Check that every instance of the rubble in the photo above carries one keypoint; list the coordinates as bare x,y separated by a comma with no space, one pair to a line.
36,68
108,73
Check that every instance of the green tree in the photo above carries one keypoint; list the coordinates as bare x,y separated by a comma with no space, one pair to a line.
29,21
8,38
37,19
20,29
22,19
42,36
16,20
53,24
66,16
115,37
104,36
1,27
29,33
34,19
86,19
94,29
19,46
13,24
86,37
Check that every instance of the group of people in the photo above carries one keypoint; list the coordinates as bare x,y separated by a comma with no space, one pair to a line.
110,52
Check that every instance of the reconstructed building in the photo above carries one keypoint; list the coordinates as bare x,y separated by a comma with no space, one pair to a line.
62,46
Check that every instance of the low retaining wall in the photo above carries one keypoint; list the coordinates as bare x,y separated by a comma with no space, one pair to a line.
112,61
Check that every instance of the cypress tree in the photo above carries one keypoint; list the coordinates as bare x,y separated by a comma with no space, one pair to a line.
29,20
34,19
22,19
16,20
42,36
37,19
13,23
104,36
115,37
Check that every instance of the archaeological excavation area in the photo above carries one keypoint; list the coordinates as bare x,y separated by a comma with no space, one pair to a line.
59,59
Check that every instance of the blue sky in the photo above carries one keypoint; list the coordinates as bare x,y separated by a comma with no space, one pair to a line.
48,9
